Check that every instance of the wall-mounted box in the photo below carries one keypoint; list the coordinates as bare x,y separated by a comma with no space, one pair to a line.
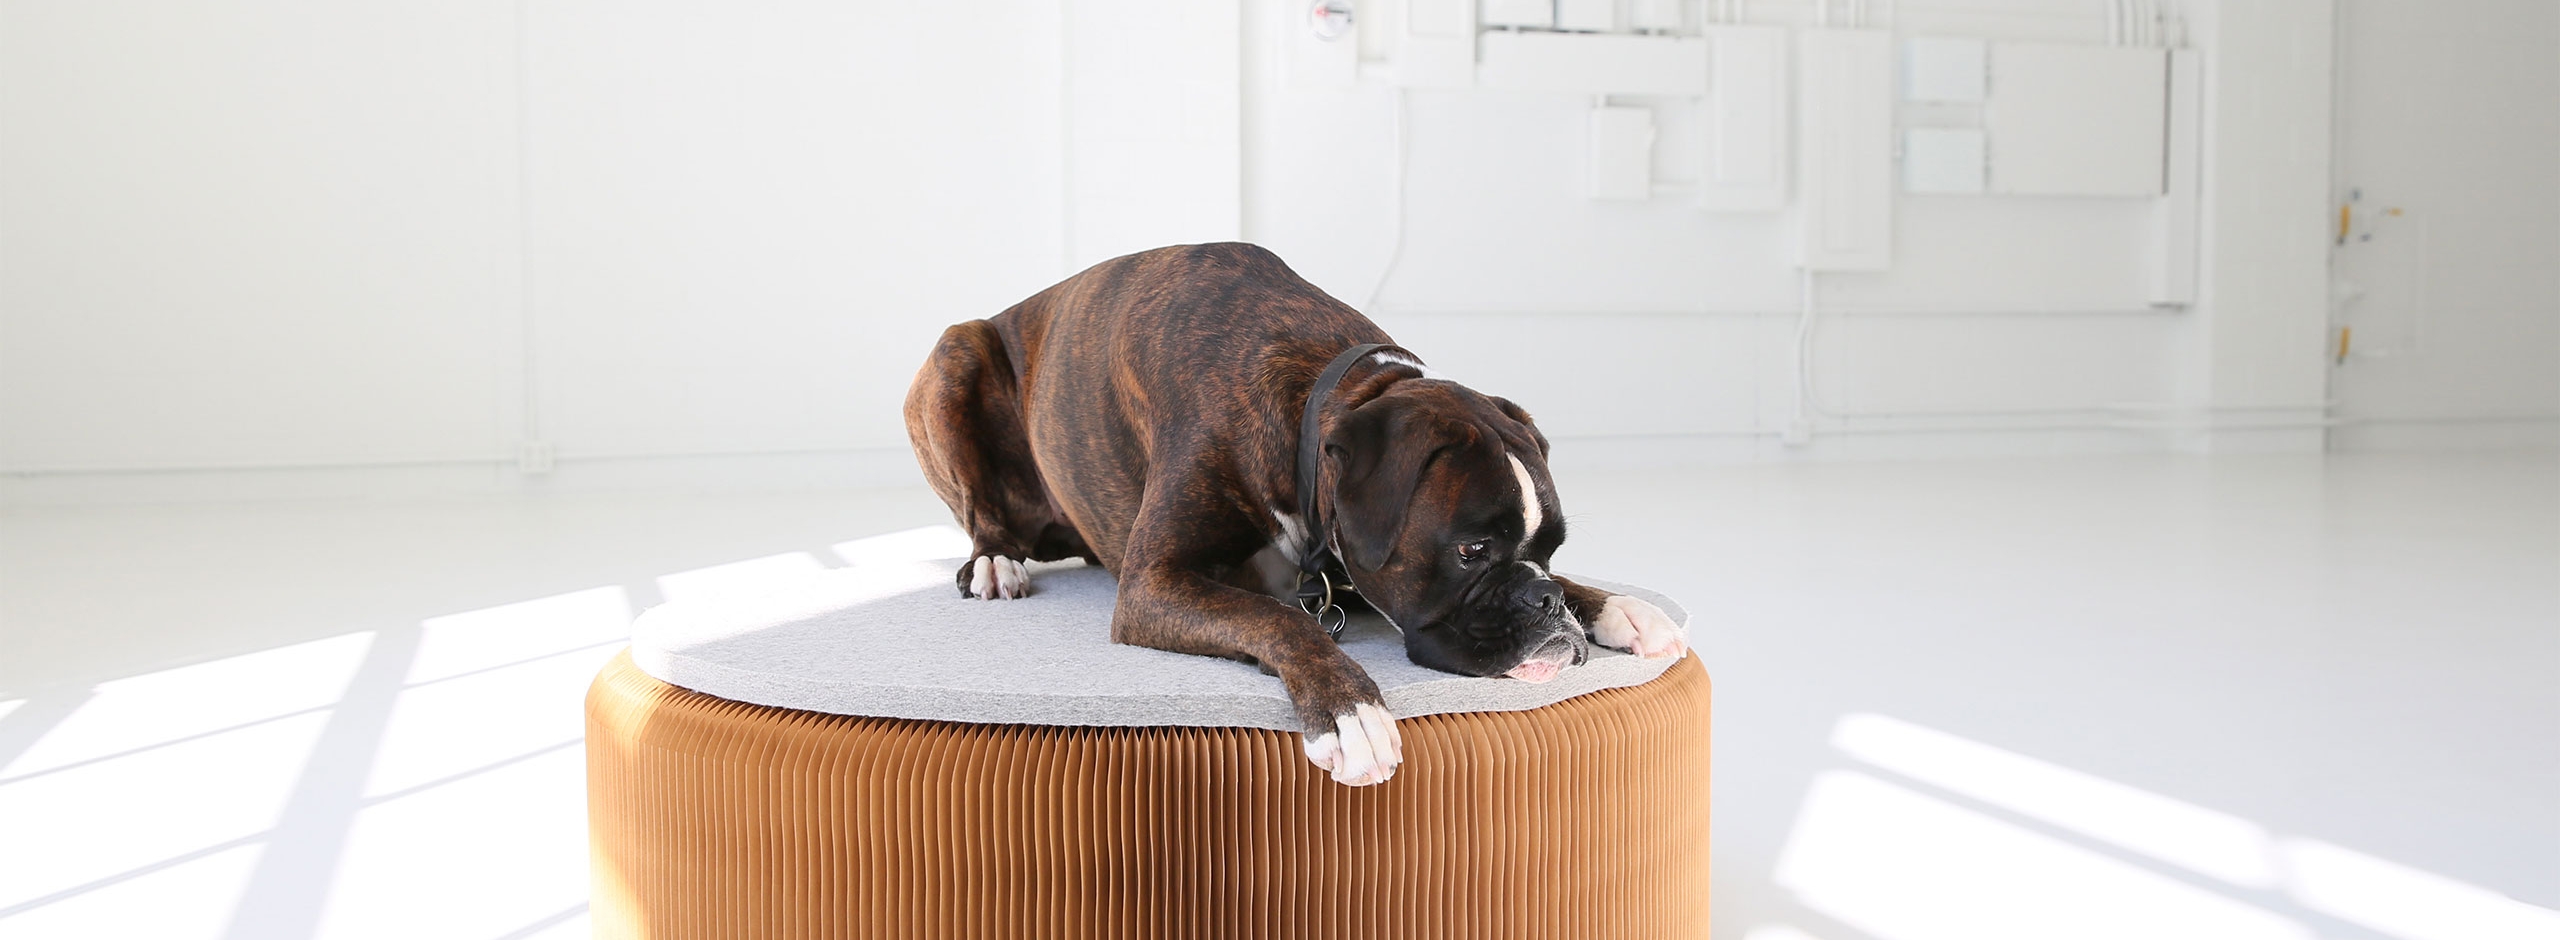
1845,154
1747,120
1942,161
1593,64
1436,44
2177,218
1621,153
1590,16
1527,14
2070,120
1654,14
1944,69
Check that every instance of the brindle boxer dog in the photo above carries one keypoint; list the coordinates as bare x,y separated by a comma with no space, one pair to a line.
1144,415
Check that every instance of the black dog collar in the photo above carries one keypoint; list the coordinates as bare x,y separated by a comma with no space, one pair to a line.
1315,587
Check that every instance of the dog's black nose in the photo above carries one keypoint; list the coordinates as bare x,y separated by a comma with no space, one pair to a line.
1542,595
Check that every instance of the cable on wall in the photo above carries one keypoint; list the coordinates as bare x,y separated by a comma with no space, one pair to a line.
1808,397
1395,251
533,449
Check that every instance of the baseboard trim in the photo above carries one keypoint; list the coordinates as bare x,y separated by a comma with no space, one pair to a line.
2286,430
849,468
1873,441
2460,433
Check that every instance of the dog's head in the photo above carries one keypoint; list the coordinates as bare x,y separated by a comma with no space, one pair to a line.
1445,516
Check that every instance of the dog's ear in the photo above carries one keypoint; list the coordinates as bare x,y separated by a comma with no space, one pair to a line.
1378,454
1517,413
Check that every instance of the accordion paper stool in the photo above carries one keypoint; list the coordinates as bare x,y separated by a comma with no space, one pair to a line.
867,754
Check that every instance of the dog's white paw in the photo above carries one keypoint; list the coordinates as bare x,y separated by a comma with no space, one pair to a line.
996,577
1365,747
1638,627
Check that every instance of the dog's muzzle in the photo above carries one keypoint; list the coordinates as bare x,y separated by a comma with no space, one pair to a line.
1562,648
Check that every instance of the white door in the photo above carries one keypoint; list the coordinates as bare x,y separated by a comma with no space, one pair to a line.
2448,265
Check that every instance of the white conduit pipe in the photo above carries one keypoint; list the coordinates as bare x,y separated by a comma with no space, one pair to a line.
1395,251
1808,404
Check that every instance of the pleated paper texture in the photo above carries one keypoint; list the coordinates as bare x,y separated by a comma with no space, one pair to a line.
719,819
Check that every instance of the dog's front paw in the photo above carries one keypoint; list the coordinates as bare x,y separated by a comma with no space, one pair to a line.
1363,748
994,577
1638,627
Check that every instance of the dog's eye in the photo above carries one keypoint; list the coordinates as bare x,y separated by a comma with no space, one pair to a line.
1473,550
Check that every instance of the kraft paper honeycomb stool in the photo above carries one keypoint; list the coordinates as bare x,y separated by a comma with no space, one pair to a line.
867,754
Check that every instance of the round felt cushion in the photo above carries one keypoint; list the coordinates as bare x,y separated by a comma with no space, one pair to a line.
896,639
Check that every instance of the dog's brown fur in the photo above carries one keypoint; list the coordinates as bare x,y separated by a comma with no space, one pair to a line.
1143,415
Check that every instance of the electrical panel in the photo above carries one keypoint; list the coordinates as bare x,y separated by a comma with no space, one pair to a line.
1605,64
1834,123
1944,69
1621,153
2175,229
1587,16
1520,14
1942,160
1654,14
1747,120
1845,151
2068,120
1436,44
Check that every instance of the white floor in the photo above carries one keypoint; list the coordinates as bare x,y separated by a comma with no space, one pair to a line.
2137,697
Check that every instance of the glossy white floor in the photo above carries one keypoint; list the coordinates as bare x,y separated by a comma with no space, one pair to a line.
2137,697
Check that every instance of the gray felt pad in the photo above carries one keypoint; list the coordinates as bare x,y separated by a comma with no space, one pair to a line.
896,639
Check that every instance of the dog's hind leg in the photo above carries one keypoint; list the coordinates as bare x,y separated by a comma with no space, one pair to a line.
964,416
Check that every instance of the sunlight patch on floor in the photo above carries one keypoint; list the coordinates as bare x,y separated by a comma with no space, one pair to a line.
154,709
511,841
751,576
928,543
1905,866
191,900
145,811
444,730
2191,837
2403,901
452,645
1902,864
84,826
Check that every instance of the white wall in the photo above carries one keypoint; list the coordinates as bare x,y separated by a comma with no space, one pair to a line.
2010,323
2450,113
1152,103
254,233
714,239
2249,374
745,224
268,235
